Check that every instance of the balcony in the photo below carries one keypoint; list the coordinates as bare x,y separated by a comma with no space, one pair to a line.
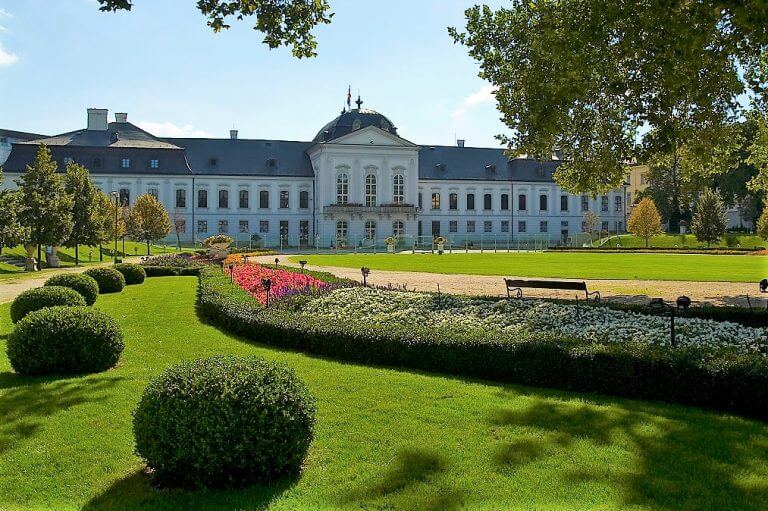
383,210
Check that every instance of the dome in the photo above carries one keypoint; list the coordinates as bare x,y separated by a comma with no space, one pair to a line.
353,120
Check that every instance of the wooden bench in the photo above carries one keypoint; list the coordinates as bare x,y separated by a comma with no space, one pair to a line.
564,285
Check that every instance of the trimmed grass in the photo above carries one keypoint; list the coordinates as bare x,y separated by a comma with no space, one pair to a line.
577,265
684,240
385,439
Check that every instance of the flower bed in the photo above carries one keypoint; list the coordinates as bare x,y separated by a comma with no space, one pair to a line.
284,283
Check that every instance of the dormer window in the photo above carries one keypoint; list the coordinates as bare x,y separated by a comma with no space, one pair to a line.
97,163
271,163
125,163
154,164
213,162
356,124
491,168
440,166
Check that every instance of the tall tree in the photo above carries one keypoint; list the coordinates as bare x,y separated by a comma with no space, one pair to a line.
645,220
46,208
108,229
86,223
11,231
591,76
148,220
762,224
590,221
710,219
179,226
283,22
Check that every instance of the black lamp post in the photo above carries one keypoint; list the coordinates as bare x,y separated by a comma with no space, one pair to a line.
302,263
365,271
276,262
267,284
231,273
660,304
117,209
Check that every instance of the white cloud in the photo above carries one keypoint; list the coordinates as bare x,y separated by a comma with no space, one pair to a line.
7,58
169,129
5,14
3,29
483,95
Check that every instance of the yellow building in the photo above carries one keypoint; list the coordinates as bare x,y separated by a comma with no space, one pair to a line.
638,182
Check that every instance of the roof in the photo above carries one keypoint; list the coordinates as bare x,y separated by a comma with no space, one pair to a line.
246,157
353,120
480,164
117,134
20,135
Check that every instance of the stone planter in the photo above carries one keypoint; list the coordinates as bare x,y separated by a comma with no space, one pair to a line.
30,263
218,250
391,249
52,257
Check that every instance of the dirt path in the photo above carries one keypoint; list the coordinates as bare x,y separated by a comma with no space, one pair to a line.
630,291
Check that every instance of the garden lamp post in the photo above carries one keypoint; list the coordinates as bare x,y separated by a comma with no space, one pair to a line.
267,284
276,262
231,273
660,304
245,259
683,302
302,263
117,209
365,271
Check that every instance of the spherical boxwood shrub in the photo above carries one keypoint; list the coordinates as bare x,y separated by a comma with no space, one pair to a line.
223,422
83,284
133,273
109,279
46,296
65,340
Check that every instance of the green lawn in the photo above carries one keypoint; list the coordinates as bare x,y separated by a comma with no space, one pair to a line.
385,439
684,240
714,268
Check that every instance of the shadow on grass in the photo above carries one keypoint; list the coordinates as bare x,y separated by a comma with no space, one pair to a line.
135,492
688,459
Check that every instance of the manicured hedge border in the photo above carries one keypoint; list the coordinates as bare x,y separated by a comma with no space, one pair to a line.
682,375
171,271
678,250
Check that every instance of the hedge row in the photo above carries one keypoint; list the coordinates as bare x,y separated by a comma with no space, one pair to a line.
676,250
171,271
682,375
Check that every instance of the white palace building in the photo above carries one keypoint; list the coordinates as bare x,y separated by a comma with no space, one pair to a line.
357,182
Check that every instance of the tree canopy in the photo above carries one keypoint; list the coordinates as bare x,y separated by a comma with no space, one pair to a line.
589,77
87,222
148,220
645,220
710,218
11,231
283,22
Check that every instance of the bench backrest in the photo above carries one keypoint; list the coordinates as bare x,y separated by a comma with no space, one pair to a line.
547,284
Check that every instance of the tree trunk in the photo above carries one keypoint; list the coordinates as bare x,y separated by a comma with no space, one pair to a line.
101,253
148,248
39,258
646,242
77,255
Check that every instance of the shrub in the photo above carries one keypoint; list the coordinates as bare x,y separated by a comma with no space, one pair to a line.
170,260
83,284
109,279
218,239
133,273
224,421
46,296
65,340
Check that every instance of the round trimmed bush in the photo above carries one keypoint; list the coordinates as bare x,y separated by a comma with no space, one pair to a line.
46,296
83,284
224,422
133,273
109,279
65,340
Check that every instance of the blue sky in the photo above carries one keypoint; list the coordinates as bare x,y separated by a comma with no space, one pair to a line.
174,76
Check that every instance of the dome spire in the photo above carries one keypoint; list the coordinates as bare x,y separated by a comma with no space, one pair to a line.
359,101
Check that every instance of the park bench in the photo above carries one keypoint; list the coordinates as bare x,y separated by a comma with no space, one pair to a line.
565,285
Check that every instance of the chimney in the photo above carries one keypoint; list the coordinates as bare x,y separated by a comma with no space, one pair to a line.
233,134
97,119
460,142
121,117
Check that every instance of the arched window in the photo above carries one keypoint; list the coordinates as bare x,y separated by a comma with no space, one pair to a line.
370,190
243,199
398,228
223,199
370,230
342,189
398,189
342,229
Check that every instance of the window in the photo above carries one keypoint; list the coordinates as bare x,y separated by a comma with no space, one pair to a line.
125,196
504,201
453,226
223,226
453,201
271,163
421,200
342,189
202,226
488,226
470,201
180,225
436,200
154,164
398,189
304,199
563,203
629,197
619,226
341,231
125,163
604,226
181,198
264,199
522,204
202,198
284,203
243,200
304,230
583,226
564,224
487,201
604,203
585,203
618,204
521,226
435,227
370,230
470,226
223,199
243,226
370,191
398,228
543,205
263,226
284,230
153,192
505,226
543,226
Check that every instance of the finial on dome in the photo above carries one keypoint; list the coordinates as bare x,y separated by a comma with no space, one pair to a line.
359,102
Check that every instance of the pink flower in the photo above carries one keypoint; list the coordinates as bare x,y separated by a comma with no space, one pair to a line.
249,277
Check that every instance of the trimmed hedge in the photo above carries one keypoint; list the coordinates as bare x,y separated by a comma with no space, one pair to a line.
692,376
83,284
171,271
65,340
109,279
133,273
223,422
46,296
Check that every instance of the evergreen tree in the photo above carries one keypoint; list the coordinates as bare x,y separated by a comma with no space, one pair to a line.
710,219
645,220
46,208
11,231
85,203
148,220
